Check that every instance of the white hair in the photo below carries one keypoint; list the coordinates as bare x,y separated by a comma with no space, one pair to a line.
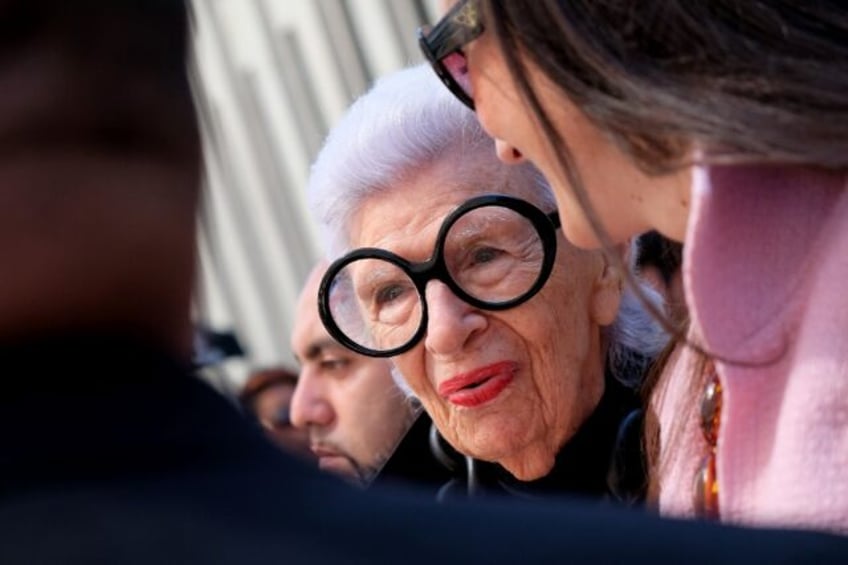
409,121
635,338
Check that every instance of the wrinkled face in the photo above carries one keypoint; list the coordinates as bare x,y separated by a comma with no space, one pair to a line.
354,412
627,201
509,386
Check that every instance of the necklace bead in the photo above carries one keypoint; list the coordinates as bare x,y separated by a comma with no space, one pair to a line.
705,496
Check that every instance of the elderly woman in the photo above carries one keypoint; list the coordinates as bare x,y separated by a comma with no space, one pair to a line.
452,264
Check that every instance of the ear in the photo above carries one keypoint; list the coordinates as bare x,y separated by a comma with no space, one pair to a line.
606,295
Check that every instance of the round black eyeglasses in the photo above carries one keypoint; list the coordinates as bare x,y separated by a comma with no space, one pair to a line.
493,252
442,46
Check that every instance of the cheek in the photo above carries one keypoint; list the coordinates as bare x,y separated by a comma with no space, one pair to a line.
560,325
496,100
486,111
552,348
560,352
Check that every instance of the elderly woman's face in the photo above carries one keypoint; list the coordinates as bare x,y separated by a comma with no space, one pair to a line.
510,386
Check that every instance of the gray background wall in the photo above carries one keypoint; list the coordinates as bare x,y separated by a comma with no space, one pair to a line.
274,75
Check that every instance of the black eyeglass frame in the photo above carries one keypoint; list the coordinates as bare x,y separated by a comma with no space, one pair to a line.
459,27
435,268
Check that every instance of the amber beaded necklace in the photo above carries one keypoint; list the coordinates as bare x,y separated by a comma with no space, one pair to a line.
705,497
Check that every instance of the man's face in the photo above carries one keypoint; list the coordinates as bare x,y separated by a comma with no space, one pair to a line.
354,412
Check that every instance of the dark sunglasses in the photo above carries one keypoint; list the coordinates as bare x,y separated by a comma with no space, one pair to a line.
442,45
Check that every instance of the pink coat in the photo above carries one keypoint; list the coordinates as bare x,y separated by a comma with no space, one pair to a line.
766,278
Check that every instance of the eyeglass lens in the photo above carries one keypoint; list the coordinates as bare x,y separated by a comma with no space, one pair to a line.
444,44
493,254
375,304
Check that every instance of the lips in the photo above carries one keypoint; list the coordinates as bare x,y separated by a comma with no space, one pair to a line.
479,386
321,451
328,459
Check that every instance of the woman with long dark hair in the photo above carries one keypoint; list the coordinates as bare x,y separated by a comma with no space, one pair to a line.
724,124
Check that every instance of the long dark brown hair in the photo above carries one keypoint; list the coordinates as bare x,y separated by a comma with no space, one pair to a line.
747,80
743,81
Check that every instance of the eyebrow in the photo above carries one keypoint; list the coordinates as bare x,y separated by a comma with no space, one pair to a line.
373,275
316,348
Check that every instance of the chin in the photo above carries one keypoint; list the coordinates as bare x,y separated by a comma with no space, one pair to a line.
524,473
511,452
500,451
580,234
526,466
341,467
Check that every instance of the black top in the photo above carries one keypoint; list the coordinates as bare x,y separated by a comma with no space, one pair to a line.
413,461
111,452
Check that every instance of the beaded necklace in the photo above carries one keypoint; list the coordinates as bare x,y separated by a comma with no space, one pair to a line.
705,496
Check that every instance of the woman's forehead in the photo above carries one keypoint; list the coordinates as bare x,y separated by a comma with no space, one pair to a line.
404,216
415,204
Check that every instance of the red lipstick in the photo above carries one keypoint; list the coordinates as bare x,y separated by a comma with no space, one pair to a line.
479,386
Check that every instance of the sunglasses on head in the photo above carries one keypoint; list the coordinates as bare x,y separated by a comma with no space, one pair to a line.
442,45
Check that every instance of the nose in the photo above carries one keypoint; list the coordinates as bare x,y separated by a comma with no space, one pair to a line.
452,322
507,153
309,404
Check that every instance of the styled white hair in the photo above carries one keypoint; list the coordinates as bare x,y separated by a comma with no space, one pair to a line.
408,122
